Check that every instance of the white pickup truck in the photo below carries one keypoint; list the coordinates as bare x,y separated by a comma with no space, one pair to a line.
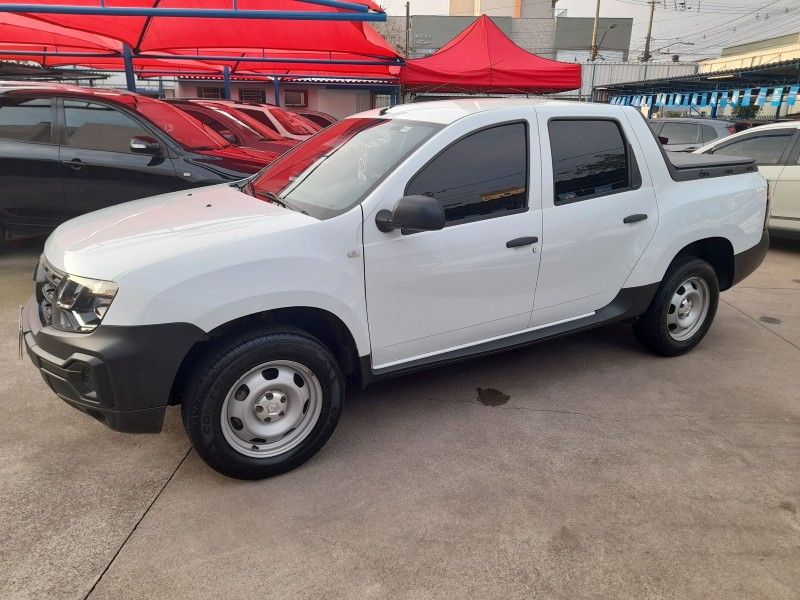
393,240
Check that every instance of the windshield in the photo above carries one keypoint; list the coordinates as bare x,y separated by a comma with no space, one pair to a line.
188,132
294,124
333,171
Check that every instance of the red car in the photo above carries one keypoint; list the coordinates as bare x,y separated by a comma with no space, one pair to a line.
232,124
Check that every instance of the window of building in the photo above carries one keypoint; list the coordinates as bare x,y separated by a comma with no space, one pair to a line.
482,175
96,126
381,100
210,92
295,98
680,133
25,119
589,159
765,149
253,95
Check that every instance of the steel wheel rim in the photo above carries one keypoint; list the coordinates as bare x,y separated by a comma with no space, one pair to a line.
688,308
271,409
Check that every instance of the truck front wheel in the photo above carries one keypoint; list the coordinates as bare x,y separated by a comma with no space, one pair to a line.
682,310
263,403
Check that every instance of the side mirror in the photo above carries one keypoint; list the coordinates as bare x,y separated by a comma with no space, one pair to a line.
144,144
412,213
229,136
663,140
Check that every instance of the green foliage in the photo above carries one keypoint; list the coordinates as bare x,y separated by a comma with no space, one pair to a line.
744,112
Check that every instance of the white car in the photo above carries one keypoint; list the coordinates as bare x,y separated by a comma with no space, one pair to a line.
287,124
394,240
776,150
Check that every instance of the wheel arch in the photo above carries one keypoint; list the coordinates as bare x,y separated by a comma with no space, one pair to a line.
324,325
717,251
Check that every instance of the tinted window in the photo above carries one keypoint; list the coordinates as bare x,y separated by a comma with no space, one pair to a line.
99,127
765,149
589,158
25,119
484,174
680,133
260,116
213,123
709,133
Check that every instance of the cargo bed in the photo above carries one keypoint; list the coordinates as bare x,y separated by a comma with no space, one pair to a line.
685,166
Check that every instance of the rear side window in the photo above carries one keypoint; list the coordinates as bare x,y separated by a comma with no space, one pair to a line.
680,133
95,126
482,175
765,149
590,158
25,119
709,133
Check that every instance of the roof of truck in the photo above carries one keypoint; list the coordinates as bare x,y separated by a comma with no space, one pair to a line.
447,111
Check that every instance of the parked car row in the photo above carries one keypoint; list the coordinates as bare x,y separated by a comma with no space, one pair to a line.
67,150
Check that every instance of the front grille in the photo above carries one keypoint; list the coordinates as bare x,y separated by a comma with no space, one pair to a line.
47,280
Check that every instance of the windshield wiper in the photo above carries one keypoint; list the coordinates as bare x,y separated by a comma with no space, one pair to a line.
269,196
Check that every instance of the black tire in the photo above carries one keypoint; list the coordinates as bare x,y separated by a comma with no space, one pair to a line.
220,368
651,328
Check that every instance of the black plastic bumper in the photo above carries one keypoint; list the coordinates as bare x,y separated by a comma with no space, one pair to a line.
748,261
122,376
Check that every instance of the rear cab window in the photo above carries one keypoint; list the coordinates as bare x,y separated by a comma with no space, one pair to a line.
680,133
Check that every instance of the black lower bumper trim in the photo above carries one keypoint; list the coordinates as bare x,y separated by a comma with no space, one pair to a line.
122,376
748,261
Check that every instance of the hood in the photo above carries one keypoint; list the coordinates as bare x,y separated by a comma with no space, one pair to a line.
236,158
108,242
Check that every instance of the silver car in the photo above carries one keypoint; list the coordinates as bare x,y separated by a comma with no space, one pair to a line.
687,135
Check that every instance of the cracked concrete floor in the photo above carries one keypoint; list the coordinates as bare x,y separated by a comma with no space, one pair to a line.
606,472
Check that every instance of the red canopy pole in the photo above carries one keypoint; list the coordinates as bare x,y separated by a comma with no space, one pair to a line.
127,59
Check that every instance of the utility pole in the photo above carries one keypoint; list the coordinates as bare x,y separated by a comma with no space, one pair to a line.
646,56
408,26
593,51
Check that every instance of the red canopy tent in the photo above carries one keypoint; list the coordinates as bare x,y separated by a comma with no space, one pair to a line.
482,59
25,39
186,35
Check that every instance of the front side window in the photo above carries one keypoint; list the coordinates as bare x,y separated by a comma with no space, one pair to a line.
765,149
680,133
260,116
709,133
95,126
482,175
334,170
215,124
25,119
590,158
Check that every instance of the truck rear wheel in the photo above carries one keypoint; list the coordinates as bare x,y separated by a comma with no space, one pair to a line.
682,310
263,403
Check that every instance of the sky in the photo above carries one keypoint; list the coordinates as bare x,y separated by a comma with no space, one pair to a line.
690,28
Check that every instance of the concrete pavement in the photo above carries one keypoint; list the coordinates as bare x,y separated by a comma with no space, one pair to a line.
607,472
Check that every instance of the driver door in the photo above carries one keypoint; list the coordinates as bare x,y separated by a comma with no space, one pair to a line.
435,291
97,164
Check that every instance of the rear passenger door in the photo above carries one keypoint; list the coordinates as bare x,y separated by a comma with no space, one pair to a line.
31,193
770,148
599,214
98,165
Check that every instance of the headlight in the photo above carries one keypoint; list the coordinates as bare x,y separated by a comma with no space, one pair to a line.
81,303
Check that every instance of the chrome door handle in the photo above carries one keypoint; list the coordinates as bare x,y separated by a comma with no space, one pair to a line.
76,164
522,241
634,218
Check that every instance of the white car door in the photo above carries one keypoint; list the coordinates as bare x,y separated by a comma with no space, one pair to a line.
436,291
785,207
599,213
770,147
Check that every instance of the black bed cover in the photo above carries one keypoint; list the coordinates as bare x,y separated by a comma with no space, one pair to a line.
684,166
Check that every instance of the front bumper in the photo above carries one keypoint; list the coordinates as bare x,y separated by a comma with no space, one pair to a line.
748,261
122,376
